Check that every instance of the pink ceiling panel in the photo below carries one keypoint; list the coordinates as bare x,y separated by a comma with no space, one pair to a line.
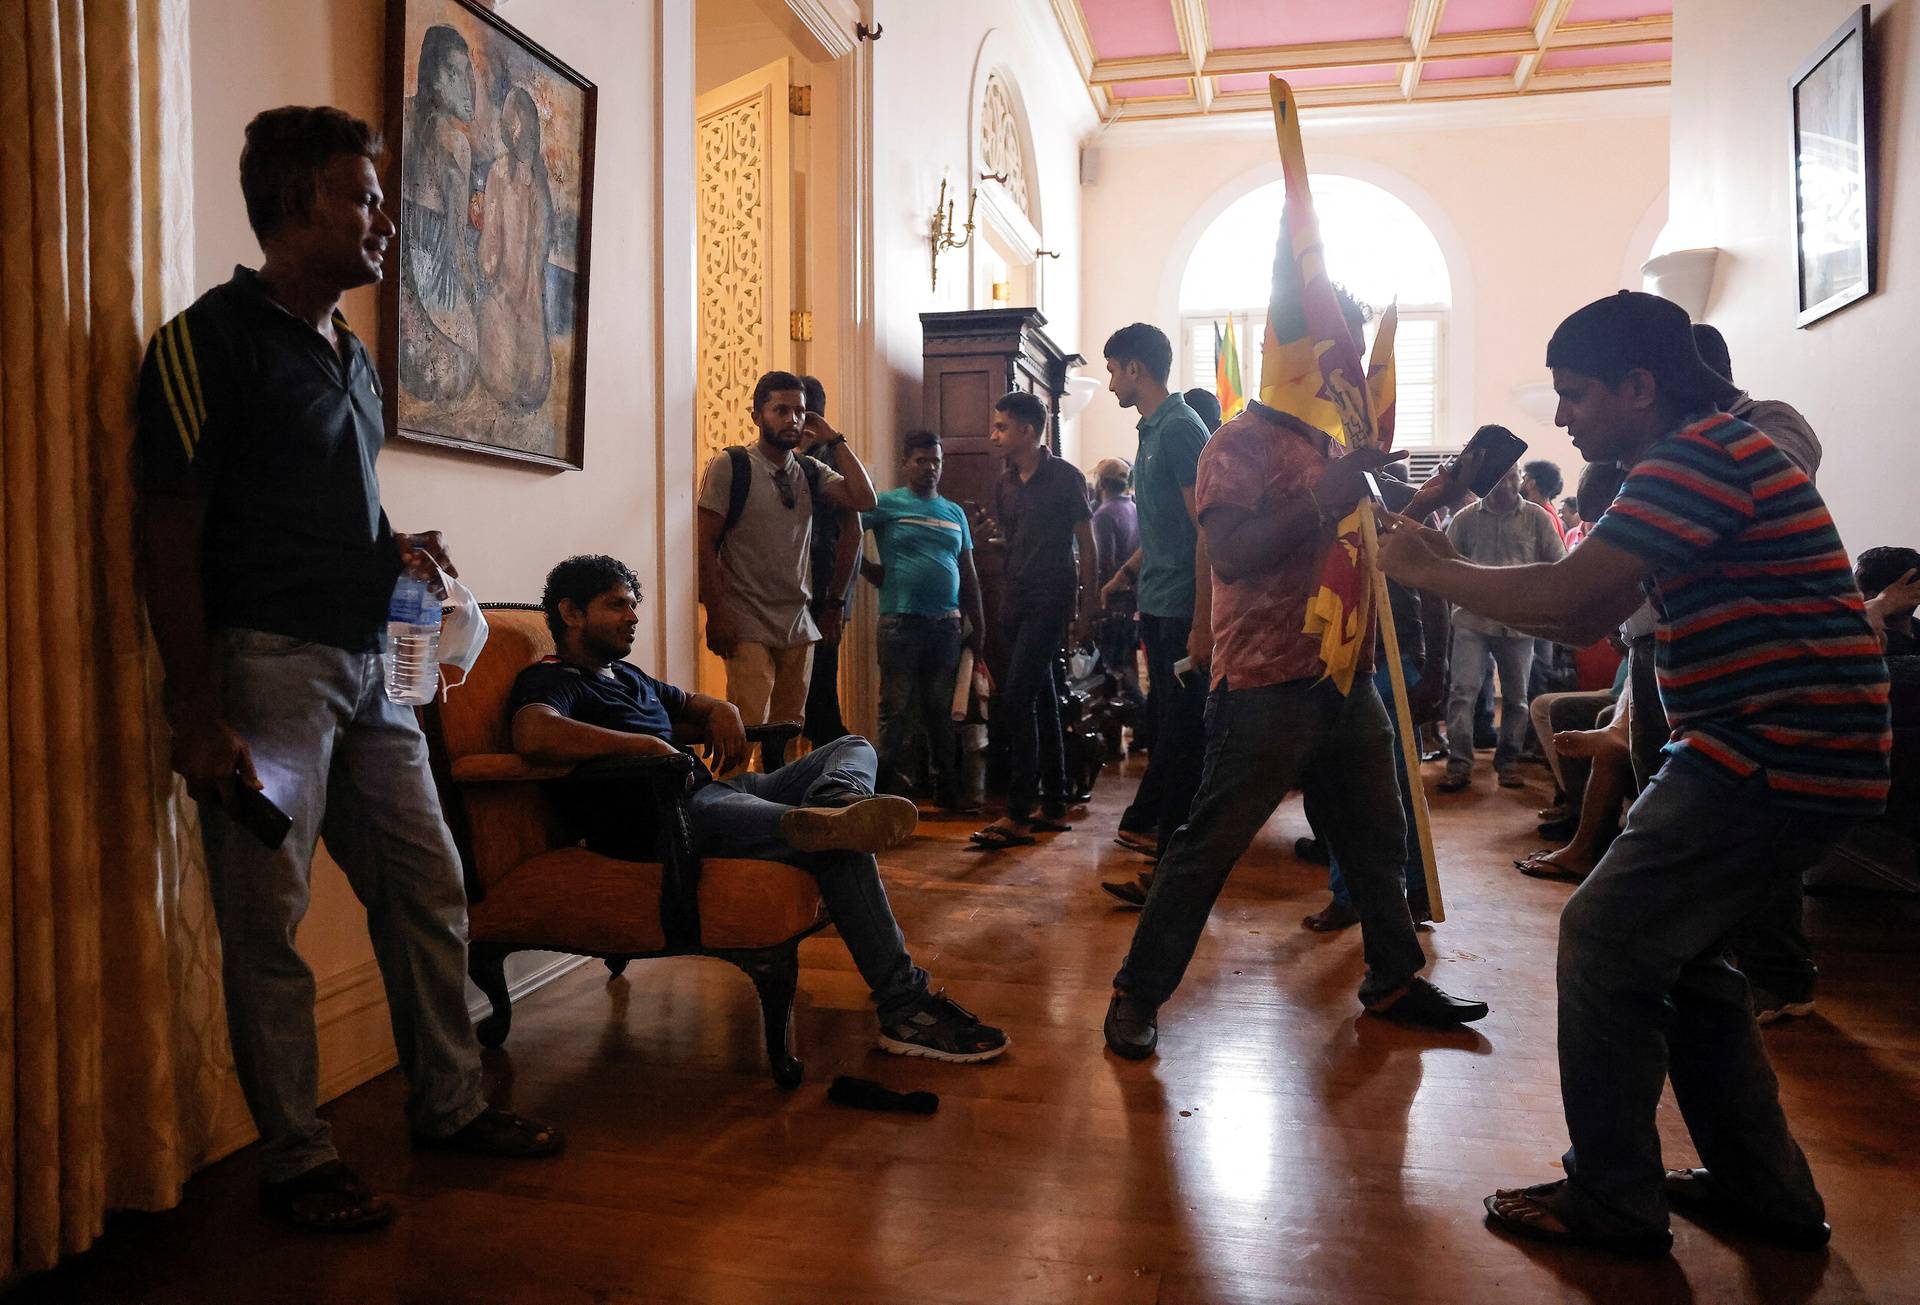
1443,70
1601,11
1130,29
1607,56
1240,24
1155,88
1372,74
1485,16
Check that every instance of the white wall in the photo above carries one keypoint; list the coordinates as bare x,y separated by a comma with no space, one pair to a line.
1850,373
923,73
506,524
1536,208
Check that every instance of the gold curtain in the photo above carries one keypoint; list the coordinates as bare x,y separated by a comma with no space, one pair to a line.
113,1057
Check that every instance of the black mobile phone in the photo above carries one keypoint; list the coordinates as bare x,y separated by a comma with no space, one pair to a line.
1502,449
255,812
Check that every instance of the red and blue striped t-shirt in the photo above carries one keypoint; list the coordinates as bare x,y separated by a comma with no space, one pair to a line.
1765,659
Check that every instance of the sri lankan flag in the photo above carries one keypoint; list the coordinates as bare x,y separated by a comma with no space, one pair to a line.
1226,372
1310,369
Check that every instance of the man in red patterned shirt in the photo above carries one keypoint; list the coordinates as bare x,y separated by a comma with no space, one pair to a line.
1270,493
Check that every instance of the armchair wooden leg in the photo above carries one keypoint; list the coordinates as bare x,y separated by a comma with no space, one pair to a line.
488,967
776,977
617,966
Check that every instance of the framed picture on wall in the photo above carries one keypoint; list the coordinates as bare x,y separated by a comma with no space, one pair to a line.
1833,173
491,185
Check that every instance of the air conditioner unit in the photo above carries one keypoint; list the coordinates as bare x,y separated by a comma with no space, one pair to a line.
1425,462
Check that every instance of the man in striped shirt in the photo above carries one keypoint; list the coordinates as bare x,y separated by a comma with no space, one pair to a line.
1777,695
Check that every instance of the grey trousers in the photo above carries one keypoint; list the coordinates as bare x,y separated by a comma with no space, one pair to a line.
350,766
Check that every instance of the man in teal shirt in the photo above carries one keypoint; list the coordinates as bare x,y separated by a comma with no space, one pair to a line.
1173,594
927,582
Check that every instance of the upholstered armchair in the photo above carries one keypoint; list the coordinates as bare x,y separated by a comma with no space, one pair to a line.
532,886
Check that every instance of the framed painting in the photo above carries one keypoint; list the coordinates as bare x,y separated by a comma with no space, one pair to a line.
1833,173
491,185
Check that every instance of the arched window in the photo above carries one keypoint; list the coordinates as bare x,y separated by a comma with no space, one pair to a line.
1376,246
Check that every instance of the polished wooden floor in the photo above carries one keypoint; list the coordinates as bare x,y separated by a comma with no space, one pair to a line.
1278,1150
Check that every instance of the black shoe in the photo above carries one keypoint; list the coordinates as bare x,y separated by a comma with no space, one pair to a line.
1131,1028
1131,891
1311,849
1455,781
1694,1192
1420,1002
943,1029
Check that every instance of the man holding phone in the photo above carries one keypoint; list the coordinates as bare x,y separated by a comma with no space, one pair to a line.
1771,757
267,564
1271,492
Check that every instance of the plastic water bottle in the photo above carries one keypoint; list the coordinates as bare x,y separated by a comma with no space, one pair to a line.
413,643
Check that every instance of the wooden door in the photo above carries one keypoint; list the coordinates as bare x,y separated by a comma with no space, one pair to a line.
744,150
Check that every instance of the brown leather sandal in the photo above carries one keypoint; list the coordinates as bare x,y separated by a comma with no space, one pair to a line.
329,1198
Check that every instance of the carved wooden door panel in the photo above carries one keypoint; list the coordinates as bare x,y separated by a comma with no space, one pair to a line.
744,188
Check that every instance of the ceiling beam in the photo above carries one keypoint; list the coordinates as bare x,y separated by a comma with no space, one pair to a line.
1637,31
1196,38
1325,54
1422,17
1107,71
1073,27
1546,22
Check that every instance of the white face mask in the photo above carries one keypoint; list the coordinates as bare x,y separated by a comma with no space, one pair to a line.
463,632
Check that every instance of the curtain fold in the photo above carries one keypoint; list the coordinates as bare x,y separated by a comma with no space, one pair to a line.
113,1053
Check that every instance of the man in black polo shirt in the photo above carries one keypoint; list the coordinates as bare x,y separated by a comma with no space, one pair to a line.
268,563
1040,505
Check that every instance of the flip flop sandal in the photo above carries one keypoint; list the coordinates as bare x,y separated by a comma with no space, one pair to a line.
1536,868
1694,1192
329,1198
1544,1200
1136,843
498,1132
994,838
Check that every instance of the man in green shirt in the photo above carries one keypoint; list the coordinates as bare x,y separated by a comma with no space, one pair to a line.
1172,571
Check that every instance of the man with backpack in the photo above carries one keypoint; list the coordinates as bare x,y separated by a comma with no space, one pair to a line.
756,548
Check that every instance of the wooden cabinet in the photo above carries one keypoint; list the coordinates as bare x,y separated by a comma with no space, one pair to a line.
971,359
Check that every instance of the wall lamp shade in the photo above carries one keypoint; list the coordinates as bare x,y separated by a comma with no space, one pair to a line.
1537,400
1684,276
1078,394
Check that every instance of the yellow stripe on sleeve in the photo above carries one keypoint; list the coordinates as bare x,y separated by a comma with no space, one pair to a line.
183,341
189,431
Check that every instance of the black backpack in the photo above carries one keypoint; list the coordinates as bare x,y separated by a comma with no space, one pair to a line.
742,484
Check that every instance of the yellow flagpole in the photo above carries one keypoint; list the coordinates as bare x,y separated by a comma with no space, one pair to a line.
1403,714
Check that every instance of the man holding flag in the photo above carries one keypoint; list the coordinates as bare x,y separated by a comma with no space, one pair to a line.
1293,703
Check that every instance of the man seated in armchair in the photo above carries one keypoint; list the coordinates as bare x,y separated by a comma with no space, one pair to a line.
820,813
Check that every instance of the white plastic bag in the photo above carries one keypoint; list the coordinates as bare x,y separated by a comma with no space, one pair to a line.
463,632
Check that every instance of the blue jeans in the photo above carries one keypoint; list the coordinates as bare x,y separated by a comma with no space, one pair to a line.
351,767
1165,795
1647,993
1263,743
1028,709
741,817
918,658
1513,654
1414,870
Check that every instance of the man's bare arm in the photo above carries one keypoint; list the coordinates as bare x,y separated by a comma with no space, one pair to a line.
207,751
971,605
1576,600
542,735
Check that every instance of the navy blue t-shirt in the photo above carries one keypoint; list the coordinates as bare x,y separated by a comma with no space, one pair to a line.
626,699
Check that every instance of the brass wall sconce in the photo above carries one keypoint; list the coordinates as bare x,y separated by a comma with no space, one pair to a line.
940,230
